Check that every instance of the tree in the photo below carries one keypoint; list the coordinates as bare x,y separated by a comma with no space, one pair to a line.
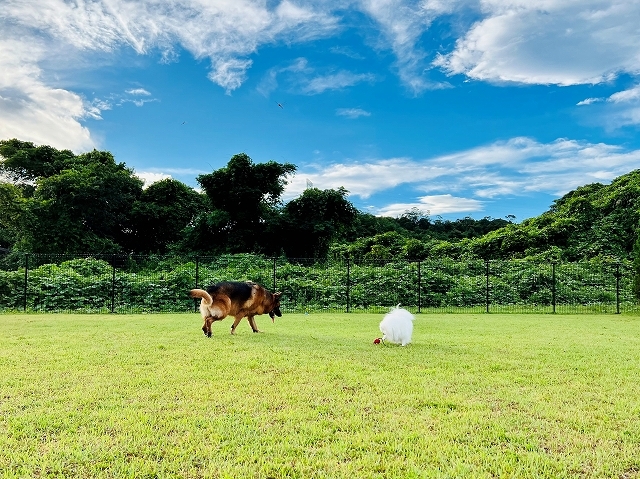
242,196
23,162
11,208
86,209
161,214
70,203
314,220
414,219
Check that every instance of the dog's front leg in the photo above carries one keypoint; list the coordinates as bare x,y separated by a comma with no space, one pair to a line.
252,323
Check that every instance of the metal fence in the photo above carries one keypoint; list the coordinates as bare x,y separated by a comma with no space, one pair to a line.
131,283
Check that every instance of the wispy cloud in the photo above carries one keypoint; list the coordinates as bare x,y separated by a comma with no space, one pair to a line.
32,33
552,42
589,101
302,78
138,92
401,25
626,96
32,110
352,113
347,52
499,171
620,109
336,81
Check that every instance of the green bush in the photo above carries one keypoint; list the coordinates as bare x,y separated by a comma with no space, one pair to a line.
162,284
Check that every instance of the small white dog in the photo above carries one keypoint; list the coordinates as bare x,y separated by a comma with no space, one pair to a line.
397,326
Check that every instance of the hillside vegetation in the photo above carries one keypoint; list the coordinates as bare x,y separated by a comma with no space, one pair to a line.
592,221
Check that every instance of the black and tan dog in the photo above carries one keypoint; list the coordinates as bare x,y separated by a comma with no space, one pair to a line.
237,299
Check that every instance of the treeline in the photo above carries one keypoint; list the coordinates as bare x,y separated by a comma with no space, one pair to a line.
54,201
592,221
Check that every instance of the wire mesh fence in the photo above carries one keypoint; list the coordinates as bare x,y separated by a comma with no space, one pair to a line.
135,283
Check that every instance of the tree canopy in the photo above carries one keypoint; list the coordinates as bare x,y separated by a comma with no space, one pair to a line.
314,220
242,195
54,201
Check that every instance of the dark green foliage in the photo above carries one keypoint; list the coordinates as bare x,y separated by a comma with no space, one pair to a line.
11,209
161,214
314,220
59,202
79,203
244,193
24,162
592,221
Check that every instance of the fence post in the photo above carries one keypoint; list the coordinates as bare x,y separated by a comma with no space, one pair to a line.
348,280
486,264
419,288
113,283
195,301
274,274
553,286
26,279
617,288
197,272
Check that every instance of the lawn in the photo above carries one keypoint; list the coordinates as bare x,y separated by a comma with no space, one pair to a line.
475,395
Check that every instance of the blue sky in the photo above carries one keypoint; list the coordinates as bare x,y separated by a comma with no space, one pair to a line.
457,108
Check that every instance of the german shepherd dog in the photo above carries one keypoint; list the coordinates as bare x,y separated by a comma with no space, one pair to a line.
237,299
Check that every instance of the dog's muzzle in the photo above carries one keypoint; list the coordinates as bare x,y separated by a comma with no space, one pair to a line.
274,313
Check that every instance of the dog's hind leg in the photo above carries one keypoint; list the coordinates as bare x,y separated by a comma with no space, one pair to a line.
206,327
235,324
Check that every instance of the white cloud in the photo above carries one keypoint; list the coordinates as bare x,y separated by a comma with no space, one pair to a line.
39,38
30,109
150,177
622,108
435,205
230,73
352,113
139,102
562,42
138,92
631,95
364,178
589,101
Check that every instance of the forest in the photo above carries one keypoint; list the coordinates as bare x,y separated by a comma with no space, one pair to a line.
57,202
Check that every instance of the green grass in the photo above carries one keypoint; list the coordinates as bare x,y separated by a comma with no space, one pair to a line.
474,395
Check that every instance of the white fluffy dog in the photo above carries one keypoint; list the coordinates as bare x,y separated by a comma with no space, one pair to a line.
397,326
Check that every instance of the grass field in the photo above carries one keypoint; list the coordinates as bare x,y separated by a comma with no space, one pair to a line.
476,395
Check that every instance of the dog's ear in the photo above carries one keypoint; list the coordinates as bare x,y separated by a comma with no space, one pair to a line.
277,295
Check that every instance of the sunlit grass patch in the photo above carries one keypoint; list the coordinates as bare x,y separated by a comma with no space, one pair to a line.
478,395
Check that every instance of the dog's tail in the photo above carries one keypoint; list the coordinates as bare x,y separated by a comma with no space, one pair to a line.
201,293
